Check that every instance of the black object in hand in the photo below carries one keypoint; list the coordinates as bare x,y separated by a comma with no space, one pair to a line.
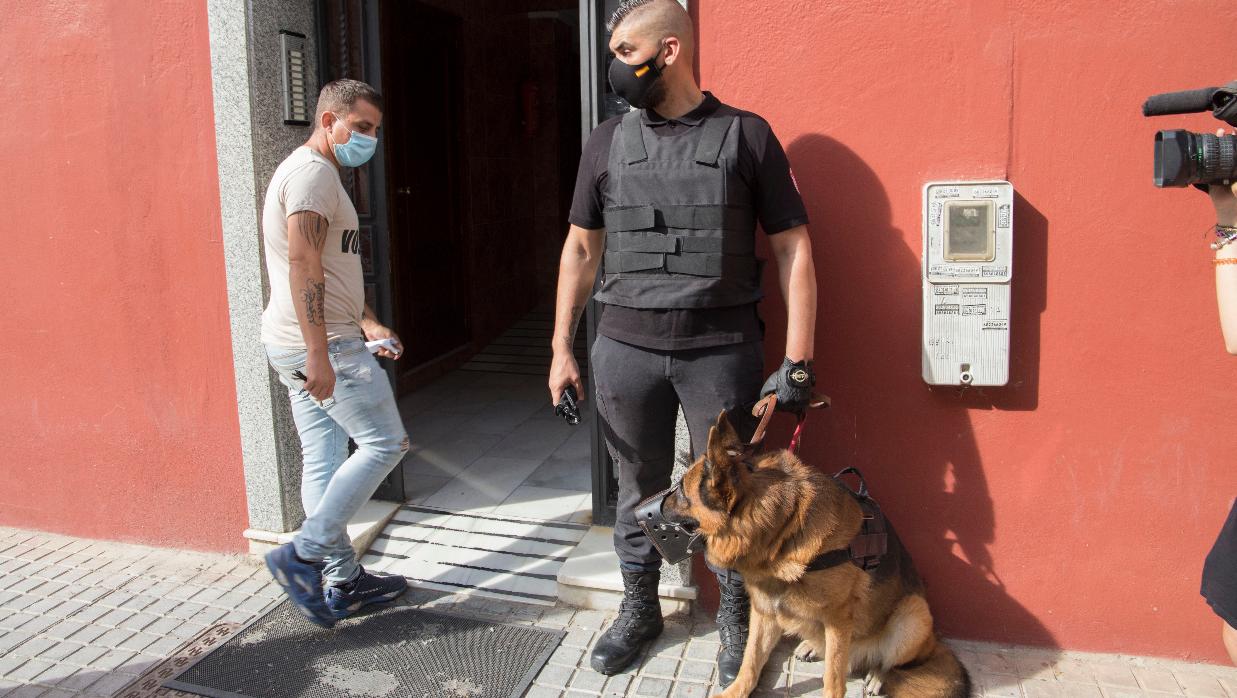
1182,157
567,407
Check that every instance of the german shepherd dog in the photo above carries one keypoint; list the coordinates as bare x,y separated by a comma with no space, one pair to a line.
767,516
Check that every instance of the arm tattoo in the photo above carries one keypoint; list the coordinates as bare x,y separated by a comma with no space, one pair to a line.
314,295
571,325
314,229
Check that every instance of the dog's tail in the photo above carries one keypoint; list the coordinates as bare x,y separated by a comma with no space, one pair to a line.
939,675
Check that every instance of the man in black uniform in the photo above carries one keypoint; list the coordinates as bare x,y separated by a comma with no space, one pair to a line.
671,194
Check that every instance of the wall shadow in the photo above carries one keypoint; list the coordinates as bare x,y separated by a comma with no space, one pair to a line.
915,444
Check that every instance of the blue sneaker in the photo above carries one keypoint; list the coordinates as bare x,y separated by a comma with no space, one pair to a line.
346,599
302,582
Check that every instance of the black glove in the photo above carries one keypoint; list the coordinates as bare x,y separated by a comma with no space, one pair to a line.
793,384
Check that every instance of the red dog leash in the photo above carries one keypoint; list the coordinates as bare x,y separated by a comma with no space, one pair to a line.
794,438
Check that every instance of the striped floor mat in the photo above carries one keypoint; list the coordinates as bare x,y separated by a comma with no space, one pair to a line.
525,348
499,557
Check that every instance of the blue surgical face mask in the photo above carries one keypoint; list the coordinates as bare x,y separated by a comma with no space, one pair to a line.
357,151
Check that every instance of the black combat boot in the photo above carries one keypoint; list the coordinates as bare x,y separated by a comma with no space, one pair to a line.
732,619
638,622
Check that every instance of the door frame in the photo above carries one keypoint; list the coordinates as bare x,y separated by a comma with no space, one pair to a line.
604,486
592,52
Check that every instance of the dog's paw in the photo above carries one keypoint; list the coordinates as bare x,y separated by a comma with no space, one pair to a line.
806,653
873,684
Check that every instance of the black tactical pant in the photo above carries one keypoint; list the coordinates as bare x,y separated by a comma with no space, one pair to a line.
638,392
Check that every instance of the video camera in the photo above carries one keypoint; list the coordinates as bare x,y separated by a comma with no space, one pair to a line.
1183,158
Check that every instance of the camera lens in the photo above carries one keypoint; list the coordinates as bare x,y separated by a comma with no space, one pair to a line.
1216,157
1183,158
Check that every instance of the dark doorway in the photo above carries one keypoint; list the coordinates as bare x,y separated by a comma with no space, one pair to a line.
473,184
421,75
482,139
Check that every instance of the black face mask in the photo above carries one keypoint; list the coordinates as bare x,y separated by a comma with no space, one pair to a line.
641,85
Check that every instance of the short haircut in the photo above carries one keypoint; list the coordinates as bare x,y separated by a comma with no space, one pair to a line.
659,19
343,94
625,8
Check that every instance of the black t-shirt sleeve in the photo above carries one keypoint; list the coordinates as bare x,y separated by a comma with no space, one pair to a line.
586,203
779,207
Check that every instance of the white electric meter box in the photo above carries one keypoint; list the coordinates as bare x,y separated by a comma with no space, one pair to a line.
967,268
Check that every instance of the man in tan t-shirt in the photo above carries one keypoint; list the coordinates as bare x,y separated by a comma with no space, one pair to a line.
314,329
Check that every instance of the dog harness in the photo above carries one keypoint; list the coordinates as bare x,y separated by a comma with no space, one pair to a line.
872,542
868,547
677,541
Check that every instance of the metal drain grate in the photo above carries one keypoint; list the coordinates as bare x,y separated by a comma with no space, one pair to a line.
399,651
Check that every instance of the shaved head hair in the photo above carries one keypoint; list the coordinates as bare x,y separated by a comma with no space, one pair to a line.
656,19
342,94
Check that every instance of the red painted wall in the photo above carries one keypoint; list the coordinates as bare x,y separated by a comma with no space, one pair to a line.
118,402
1073,507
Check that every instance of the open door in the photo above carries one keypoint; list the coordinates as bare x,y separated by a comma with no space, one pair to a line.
420,55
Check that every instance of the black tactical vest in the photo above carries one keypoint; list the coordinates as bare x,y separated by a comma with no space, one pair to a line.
680,223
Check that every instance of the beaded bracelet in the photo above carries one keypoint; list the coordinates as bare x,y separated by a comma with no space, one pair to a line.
1225,230
1224,260
1224,240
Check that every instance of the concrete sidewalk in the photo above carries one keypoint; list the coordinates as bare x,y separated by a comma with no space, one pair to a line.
84,618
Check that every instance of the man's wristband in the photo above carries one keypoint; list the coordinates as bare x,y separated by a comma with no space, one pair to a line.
1225,234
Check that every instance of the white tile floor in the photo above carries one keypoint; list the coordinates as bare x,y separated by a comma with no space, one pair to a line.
501,486
490,443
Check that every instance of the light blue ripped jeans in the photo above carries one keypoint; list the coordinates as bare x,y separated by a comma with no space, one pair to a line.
334,485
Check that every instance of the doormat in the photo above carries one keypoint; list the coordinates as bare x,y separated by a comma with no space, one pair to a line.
398,651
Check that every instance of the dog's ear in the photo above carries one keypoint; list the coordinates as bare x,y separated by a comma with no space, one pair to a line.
724,443
723,465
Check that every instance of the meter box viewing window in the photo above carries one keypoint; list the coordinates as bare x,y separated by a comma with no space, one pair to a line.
967,270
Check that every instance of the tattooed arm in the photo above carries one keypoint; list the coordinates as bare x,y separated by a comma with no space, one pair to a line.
577,270
306,238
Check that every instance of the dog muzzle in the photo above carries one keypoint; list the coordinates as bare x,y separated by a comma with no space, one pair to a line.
675,541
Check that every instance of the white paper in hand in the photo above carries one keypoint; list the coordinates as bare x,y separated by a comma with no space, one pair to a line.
388,344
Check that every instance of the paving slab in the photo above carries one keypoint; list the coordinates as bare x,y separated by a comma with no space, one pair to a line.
83,618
